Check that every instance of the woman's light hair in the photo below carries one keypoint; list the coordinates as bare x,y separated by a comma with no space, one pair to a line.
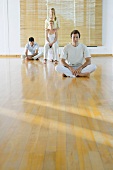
53,9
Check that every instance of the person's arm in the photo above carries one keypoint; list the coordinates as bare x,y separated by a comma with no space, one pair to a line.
46,35
87,56
36,52
63,60
36,49
26,52
69,67
87,62
58,24
64,63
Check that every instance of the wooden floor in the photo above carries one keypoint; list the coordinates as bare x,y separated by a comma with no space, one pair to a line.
52,123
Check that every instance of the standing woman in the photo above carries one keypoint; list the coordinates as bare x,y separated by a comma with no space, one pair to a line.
52,16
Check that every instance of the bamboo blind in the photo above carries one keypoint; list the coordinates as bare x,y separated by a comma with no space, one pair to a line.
32,18
84,15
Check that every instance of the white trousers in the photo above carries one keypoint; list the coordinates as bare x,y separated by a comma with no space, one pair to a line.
35,57
55,51
64,70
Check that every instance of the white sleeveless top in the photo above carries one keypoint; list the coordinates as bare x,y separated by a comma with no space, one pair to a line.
51,37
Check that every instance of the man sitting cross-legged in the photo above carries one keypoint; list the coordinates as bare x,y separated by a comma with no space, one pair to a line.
31,50
75,59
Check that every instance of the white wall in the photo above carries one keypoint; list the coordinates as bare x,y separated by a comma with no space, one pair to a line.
4,44
10,28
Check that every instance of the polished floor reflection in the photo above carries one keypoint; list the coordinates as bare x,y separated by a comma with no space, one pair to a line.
48,122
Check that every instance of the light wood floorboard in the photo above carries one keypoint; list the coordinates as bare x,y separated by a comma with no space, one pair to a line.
48,122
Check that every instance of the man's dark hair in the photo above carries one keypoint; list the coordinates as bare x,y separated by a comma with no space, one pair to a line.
31,39
75,32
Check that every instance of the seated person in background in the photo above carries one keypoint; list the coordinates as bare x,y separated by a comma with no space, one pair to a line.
51,43
31,50
75,59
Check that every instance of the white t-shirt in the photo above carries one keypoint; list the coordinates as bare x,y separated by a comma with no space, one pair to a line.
75,56
31,49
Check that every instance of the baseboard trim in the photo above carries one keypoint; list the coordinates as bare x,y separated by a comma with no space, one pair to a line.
10,56
102,55
92,55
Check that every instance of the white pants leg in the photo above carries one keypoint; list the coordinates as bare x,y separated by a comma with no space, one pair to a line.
89,69
37,56
64,70
46,47
61,69
55,51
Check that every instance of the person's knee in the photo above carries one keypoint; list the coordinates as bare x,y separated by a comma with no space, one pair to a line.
55,45
40,54
90,68
58,68
94,67
46,46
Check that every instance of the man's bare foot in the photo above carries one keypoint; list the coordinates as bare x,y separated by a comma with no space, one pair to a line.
63,75
83,75
29,59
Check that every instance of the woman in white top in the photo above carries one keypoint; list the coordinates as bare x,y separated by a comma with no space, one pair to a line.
51,43
52,16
